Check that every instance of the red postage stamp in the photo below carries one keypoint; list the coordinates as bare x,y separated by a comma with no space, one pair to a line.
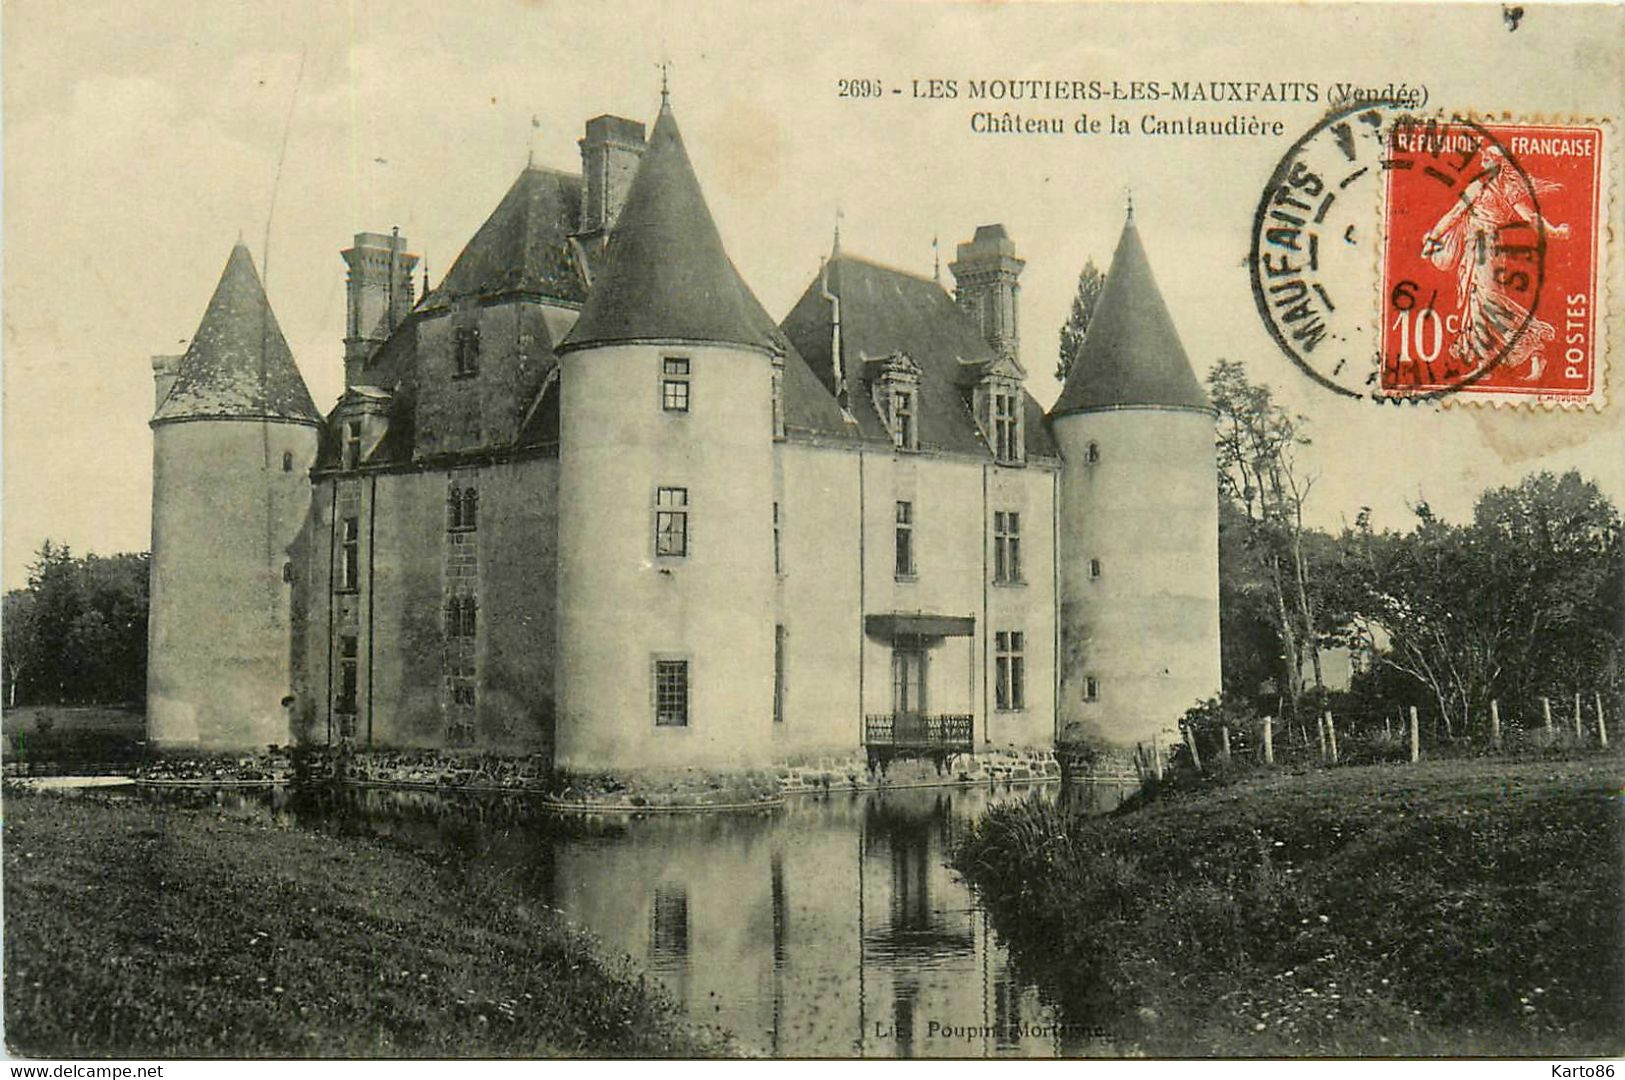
1490,261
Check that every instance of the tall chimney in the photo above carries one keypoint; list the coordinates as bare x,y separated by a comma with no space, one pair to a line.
986,285
610,152
380,295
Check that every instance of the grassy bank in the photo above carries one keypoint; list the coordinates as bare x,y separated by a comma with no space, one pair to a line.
1456,908
134,931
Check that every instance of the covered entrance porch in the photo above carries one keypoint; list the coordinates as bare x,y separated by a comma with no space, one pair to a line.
932,690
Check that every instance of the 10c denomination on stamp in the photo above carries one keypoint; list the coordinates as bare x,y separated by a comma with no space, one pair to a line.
1491,261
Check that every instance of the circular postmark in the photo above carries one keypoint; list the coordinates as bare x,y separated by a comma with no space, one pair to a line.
1432,224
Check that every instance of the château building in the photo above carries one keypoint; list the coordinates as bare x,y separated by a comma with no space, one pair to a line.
585,498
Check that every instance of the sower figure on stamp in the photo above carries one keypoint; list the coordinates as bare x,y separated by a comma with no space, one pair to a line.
1461,242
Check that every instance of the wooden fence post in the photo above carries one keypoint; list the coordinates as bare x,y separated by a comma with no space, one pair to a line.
1579,732
1495,724
1331,736
1190,741
1602,728
1416,737
1320,735
1224,740
1546,711
1269,741
1156,755
1387,728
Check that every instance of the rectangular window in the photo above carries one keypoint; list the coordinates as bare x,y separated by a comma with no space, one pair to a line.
671,693
462,616
905,539
778,674
674,384
671,521
902,416
465,351
462,508
462,693
347,673
778,543
350,555
1006,547
778,398
1091,689
1009,670
1005,431
352,444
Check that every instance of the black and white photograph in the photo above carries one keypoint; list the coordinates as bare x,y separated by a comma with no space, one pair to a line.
953,530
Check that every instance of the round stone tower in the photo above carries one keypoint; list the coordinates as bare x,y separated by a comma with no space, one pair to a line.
1139,521
233,439
665,594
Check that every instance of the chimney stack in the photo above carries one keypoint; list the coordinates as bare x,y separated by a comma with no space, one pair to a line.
380,295
610,152
987,287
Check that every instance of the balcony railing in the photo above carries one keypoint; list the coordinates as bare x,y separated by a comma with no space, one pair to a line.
919,731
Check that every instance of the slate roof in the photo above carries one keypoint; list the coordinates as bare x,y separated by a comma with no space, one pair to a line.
523,247
886,311
238,365
666,275
1131,354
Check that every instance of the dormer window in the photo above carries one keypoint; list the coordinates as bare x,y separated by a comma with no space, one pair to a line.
904,434
894,381
1006,427
352,444
999,404
465,352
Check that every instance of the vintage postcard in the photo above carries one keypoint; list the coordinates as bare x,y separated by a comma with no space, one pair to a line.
857,530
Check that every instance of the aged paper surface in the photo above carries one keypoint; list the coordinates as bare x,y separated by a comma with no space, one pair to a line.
1403,219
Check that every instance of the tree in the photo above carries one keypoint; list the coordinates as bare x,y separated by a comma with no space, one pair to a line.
1257,444
1525,601
17,640
1090,284
78,631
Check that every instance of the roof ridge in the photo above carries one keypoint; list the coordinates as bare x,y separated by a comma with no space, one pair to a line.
889,268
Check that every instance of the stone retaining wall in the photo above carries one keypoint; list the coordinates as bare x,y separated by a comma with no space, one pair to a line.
650,789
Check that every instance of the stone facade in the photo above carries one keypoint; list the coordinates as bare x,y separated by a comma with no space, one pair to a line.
585,505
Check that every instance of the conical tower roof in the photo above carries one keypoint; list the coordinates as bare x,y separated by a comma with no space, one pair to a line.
238,366
666,276
1131,354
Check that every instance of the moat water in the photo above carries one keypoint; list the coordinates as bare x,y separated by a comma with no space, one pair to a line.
830,927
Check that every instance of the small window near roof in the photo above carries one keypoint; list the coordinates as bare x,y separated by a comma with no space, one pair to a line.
352,444
465,351
1094,568
674,385
287,461
1092,455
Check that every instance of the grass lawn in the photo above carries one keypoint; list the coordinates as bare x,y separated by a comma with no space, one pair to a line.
1454,908
135,931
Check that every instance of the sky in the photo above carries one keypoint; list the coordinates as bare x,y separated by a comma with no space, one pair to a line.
141,139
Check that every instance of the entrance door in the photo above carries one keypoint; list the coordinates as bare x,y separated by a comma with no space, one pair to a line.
908,687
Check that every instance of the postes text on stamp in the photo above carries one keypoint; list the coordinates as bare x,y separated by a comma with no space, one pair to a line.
1490,261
